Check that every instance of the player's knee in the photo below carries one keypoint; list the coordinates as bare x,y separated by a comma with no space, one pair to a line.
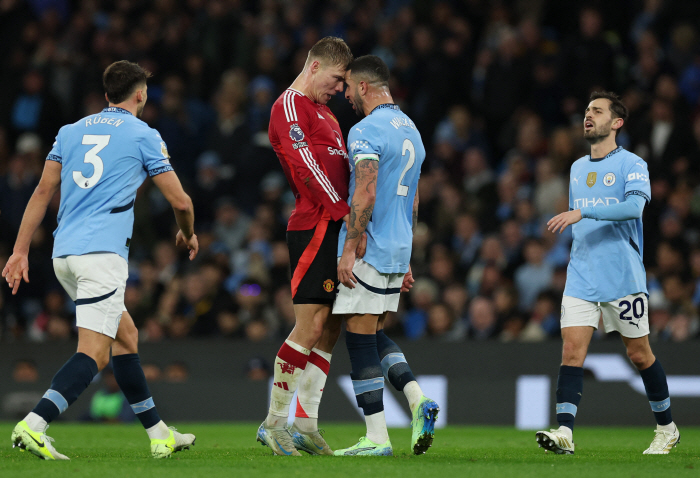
640,358
101,358
128,338
316,329
573,355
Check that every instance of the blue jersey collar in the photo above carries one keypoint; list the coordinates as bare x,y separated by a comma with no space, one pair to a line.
393,106
116,109
614,151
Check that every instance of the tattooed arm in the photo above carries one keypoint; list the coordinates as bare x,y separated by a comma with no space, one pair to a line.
408,279
415,213
361,207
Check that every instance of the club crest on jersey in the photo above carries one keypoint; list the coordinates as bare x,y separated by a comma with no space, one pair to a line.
609,179
328,285
591,179
296,133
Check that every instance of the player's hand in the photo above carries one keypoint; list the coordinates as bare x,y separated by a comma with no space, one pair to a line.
16,269
345,275
560,221
361,247
191,243
408,281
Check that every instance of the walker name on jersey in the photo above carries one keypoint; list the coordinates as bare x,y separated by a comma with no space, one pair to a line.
94,120
588,202
399,121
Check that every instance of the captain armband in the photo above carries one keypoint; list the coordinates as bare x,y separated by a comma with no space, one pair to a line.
639,193
369,156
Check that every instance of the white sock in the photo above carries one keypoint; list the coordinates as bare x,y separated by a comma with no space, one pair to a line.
289,367
568,432
36,423
671,427
310,390
159,431
413,394
376,428
311,385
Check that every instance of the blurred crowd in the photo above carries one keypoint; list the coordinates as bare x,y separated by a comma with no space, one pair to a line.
496,88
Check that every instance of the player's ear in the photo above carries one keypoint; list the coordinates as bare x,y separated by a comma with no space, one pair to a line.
106,98
315,66
617,123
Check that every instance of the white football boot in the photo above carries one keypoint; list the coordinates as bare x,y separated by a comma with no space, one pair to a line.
312,443
663,441
37,443
175,442
278,439
556,440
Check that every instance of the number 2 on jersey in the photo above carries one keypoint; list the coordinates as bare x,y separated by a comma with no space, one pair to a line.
407,146
91,157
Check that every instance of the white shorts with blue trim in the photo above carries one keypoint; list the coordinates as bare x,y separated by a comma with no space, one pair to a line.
629,315
96,283
374,292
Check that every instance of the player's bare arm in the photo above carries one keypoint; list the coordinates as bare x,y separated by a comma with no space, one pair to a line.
415,213
408,279
561,221
361,208
17,267
169,184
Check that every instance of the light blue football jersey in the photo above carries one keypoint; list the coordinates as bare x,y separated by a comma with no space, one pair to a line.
105,158
606,256
389,136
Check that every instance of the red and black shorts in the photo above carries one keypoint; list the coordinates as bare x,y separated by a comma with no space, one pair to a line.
313,256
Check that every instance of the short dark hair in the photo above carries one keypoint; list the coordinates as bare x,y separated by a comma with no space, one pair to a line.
617,107
121,78
370,68
332,50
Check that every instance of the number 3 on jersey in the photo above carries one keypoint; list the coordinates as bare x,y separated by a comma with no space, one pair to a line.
407,146
91,157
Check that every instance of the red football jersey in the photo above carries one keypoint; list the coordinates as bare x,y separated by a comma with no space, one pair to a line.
308,142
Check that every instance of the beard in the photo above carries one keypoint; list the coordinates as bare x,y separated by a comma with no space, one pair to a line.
598,134
139,110
359,105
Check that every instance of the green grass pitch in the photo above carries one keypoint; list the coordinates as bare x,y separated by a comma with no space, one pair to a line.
104,451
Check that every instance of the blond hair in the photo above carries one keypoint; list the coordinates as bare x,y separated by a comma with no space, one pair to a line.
331,51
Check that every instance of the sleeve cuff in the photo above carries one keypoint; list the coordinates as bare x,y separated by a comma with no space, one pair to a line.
54,157
361,156
340,212
588,212
161,170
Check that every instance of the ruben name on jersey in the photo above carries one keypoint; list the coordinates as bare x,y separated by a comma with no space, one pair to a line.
389,136
607,256
104,159
307,139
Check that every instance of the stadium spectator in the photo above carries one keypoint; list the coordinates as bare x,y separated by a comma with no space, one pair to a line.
25,371
501,129
534,276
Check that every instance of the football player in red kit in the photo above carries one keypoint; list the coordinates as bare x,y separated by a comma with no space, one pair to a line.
308,141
